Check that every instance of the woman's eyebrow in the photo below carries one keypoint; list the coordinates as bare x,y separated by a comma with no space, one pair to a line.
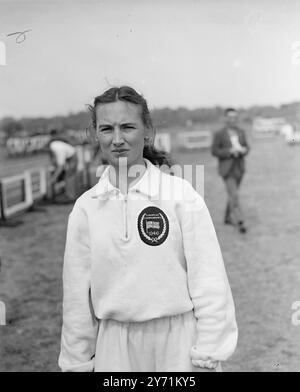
129,123
104,125
108,124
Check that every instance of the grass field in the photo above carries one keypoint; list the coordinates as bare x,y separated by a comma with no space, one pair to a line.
263,267
12,166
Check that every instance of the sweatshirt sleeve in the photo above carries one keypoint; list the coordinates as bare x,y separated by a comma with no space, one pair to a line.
208,286
80,326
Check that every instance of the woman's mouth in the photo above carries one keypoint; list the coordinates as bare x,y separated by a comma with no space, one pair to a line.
119,152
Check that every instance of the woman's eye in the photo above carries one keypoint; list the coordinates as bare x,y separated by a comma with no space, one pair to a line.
128,127
105,129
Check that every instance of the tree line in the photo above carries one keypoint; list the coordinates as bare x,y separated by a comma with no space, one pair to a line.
162,118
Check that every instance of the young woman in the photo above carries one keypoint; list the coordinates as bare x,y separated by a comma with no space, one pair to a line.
145,288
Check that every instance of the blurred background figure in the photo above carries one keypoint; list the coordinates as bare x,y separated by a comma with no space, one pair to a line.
290,135
230,147
64,159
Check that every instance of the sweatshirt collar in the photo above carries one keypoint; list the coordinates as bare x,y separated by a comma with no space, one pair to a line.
148,184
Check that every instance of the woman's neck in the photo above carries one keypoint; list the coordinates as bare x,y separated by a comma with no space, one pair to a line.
123,177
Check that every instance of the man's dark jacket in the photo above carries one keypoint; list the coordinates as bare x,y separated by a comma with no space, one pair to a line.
221,149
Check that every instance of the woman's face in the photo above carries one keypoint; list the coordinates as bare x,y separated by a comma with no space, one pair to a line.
121,132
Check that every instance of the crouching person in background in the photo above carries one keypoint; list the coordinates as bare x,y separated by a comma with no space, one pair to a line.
63,157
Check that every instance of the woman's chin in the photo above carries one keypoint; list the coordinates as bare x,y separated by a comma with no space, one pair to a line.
126,161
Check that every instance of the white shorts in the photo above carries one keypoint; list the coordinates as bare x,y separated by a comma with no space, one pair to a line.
157,345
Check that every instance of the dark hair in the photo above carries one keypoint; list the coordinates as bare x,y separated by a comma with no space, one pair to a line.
53,132
230,110
128,94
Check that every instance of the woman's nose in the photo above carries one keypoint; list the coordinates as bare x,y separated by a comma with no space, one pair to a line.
118,137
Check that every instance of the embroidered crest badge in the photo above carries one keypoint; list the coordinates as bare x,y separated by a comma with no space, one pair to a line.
153,226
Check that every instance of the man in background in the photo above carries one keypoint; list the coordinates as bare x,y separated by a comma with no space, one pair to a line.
63,157
230,147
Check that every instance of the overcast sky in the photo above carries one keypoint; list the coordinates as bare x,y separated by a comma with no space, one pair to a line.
197,53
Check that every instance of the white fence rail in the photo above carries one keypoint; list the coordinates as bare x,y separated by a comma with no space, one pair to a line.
15,195
26,145
195,139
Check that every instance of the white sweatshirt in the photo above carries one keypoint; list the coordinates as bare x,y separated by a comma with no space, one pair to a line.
148,254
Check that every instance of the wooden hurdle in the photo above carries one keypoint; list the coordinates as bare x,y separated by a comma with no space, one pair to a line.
15,195
20,193
38,183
